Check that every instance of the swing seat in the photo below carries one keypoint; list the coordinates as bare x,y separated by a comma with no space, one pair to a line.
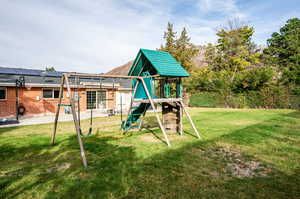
88,134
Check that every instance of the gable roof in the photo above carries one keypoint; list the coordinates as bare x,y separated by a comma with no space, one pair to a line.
158,62
37,77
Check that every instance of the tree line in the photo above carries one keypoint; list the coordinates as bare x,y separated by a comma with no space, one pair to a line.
238,72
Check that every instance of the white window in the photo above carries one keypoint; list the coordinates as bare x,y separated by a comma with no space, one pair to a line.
50,93
96,99
2,93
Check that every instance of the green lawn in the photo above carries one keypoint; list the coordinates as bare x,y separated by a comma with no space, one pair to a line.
244,154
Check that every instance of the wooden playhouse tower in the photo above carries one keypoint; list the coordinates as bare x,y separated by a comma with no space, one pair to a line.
159,82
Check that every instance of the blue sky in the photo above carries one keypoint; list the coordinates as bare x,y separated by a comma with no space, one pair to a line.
96,36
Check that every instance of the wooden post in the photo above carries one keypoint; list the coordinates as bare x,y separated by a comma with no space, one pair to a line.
156,114
58,109
77,81
82,153
142,119
180,118
190,119
179,95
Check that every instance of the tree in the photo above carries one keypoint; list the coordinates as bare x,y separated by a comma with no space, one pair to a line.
170,37
210,55
254,79
234,51
50,69
283,51
185,51
181,48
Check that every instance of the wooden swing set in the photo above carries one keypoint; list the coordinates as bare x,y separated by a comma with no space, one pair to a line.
146,74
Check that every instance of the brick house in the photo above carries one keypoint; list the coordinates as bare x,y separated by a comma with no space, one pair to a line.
41,91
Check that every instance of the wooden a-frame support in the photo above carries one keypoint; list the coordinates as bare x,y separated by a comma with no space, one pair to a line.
189,118
65,79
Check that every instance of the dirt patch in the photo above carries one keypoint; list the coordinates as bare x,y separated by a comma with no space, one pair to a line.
150,138
242,122
154,139
238,166
58,167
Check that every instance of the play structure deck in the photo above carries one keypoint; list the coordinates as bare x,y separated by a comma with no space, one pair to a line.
156,79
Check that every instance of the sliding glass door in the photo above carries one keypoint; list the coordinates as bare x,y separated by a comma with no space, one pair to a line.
96,99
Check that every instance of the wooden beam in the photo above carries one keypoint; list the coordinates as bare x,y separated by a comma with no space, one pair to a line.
181,120
58,109
156,114
142,119
179,95
77,128
159,100
190,120
106,76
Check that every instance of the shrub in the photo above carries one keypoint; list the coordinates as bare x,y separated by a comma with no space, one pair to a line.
272,97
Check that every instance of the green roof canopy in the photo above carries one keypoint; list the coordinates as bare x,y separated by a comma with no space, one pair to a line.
156,63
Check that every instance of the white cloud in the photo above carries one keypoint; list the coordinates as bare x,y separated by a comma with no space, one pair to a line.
96,36
228,8
77,36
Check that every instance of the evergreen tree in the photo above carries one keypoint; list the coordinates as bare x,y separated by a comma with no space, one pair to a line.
181,48
283,51
185,51
170,37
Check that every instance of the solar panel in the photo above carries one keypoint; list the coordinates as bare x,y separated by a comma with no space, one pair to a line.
30,72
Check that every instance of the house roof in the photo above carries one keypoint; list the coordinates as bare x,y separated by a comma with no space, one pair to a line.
157,63
31,72
41,78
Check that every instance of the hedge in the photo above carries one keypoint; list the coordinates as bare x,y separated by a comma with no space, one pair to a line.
257,99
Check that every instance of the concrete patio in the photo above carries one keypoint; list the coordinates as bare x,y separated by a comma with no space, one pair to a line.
43,119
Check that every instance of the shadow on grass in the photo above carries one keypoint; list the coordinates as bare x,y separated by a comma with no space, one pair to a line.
295,114
4,130
116,171
198,170
45,172
195,172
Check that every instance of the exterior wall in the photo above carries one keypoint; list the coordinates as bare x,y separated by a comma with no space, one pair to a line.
8,106
126,99
82,101
111,97
34,103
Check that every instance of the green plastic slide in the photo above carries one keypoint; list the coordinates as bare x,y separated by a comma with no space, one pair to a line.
134,116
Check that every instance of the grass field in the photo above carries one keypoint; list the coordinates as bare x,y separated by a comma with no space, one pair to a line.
244,154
